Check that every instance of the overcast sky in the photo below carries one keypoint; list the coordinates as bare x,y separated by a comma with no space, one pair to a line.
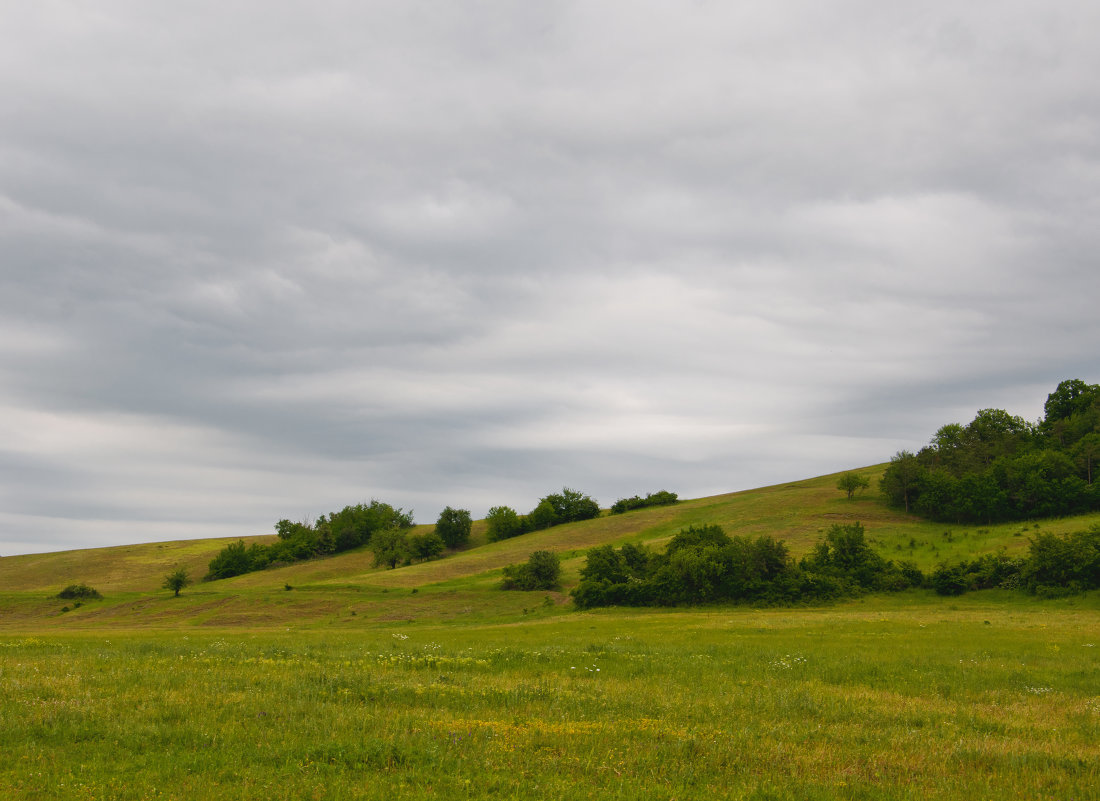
264,260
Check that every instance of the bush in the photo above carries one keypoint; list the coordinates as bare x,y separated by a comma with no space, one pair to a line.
541,571
82,591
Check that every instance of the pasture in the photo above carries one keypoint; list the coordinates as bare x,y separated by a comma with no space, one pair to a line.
900,697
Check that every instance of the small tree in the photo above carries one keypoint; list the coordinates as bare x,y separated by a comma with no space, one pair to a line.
390,547
176,581
454,526
852,483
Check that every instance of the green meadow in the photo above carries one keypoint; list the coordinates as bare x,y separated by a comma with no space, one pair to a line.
336,680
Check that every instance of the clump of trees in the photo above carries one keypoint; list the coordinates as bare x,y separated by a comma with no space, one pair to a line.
567,506
351,527
704,565
541,571
659,498
1000,467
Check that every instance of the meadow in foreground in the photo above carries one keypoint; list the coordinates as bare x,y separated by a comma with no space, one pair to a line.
915,697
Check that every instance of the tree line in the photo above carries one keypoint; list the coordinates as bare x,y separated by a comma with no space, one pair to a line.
999,467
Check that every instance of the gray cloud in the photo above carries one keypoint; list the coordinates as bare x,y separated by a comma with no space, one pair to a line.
263,262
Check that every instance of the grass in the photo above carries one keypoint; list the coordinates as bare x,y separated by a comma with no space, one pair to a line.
428,682
983,697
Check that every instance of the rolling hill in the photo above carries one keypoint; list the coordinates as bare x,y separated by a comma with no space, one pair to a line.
348,588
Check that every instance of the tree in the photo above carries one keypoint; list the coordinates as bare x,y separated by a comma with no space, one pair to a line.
390,547
900,479
1087,451
425,546
176,581
852,483
454,526
503,522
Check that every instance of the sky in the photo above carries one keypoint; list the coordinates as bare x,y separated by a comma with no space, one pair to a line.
266,260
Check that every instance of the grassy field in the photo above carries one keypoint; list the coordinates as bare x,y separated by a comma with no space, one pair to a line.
907,697
336,680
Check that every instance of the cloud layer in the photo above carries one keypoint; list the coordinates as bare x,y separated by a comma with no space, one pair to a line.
260,263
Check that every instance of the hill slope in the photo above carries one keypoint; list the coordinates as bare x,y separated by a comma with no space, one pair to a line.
345,586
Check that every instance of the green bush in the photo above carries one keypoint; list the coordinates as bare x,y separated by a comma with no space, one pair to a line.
541,571
82,591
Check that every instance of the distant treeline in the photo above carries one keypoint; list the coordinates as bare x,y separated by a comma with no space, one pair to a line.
1000,467
705,565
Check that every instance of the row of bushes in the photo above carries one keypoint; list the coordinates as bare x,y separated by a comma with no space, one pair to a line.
1054,566
703,565
660,498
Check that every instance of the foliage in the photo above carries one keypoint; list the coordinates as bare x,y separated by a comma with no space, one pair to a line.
703,564
1054,566
176,581
502,523
80,592
426,546
390,547
541,571
659,498
453,527
351,527
1000,467
568,506
851,483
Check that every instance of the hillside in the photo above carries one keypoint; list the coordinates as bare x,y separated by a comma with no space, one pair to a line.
348,587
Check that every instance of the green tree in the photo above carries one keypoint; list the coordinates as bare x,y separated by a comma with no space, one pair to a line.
899,482
425,546
176,581
390,547
852,483
453,526
1087,452
503,522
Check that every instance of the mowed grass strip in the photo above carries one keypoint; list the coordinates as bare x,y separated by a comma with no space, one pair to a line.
938,699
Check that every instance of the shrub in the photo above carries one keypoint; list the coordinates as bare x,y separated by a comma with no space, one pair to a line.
541,571
82,591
